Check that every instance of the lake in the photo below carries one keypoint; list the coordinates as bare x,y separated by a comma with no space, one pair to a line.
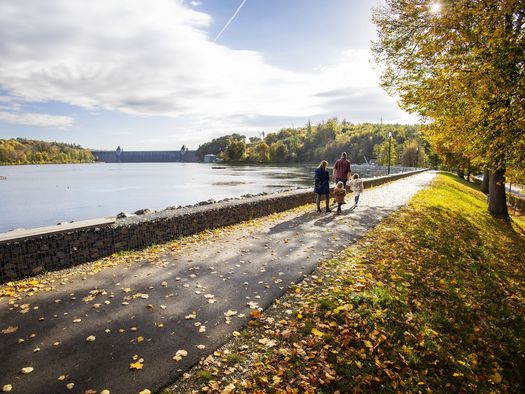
43,195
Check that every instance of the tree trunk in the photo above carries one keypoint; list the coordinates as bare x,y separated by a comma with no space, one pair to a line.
485,182
461,173
497,201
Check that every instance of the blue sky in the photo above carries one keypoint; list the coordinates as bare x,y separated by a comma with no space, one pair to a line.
149,75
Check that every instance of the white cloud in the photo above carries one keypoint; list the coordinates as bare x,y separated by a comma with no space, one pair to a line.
36,119
155,58
11,111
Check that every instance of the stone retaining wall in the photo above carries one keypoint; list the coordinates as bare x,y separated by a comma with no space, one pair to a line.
24,257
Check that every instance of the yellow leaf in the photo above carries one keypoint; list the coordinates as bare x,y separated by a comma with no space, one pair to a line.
140,339
368,344
9,330
255,314
137,365
7,388
496,378
315,331
228,389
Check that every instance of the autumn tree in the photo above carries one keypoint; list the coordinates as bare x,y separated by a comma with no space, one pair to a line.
235,149
460,64
413,154
279,152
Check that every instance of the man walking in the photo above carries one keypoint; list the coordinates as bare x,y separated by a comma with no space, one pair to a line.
342,170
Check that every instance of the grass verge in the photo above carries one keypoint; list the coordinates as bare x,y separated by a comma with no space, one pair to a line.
431,300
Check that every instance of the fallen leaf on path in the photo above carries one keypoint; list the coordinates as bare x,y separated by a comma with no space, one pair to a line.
180,354
255,314
70,386
137,365
26,370
9,330
7,388
91,338
229,313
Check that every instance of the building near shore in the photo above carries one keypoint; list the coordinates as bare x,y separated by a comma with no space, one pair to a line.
211,158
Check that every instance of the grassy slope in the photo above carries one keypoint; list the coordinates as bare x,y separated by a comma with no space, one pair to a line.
431,300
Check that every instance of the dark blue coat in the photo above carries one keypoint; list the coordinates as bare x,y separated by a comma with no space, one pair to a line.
321,181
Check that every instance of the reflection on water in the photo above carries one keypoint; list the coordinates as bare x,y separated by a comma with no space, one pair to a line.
42,195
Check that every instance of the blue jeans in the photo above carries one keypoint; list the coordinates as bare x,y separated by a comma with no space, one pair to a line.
327,196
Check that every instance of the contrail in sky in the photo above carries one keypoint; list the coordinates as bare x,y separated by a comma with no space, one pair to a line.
230,20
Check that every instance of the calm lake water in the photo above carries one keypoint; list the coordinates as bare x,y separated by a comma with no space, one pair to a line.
43,195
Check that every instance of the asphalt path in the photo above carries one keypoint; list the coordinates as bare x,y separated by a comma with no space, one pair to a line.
118,328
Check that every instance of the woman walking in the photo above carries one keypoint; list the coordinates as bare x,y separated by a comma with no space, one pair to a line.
322,185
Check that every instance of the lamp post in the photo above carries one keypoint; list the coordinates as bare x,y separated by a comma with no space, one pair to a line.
417,156
389,149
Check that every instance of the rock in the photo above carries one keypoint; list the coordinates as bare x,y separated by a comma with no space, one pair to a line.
144,211
207,202
123,215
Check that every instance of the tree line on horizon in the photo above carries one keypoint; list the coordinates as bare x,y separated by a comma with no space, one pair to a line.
27,151
326,140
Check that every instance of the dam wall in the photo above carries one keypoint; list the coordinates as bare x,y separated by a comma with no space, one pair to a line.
145,156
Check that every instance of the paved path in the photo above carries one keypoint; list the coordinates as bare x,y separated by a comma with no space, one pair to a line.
172,300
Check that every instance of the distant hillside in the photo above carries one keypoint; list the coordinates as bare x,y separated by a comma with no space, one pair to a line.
326,141
24,151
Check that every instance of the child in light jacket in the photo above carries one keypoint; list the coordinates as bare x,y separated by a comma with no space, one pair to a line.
356,185
339,196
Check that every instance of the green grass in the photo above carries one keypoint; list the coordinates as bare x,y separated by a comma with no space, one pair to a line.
431,300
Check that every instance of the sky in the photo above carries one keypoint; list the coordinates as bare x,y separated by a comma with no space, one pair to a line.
154,75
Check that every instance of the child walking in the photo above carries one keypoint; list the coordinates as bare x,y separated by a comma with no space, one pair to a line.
339,195
356,185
